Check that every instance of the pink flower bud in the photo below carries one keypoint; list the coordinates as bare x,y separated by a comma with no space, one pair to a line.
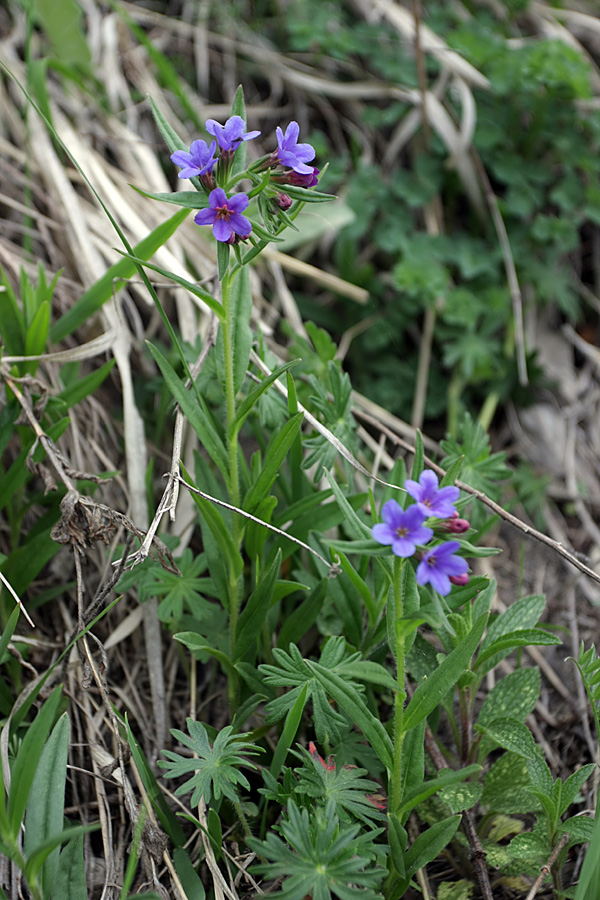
460,580
283,201
455,524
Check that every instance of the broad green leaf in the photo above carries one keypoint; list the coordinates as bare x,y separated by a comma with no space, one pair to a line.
61,20
579,828
189,878
290,729
70,881
573,785
254,613
459,797
521,614
528,846
40,854
193,412
26,763
514,696
508,642
432,690
355,707
45,806
507,786
510,734
97,295
275,455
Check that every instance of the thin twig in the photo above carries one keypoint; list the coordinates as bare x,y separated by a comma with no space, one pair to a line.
478,854
547,867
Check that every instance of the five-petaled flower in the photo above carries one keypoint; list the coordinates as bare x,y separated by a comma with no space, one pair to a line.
199,161
230,135
401,528
225,215
438,564
292,154
431,499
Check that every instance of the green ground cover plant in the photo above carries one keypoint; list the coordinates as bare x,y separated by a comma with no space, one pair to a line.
335,696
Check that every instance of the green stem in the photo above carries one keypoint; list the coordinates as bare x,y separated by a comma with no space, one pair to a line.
234,476
400,698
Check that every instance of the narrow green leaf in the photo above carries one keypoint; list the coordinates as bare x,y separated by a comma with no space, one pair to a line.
222,259
192,411
166,816
45,806
356,708
37,333
253,615
427,789
418,461
27,759
432,690
82,387
194,289
97,295
250,401
240,311
187,199
290,729
276,453
364,591
197,643
304,616
221,533
430,844
307,195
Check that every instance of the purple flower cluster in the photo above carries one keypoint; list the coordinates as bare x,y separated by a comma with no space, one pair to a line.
405,530
289,165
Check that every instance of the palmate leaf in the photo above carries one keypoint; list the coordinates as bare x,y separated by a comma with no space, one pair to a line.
320,857
293,672
346,786
216,768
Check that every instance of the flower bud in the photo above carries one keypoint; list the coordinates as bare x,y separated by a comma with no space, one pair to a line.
283,201
456,525
460,580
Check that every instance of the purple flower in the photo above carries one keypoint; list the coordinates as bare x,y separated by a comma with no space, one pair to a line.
439,564
230,135
403,529
432,500
199,161
225,215
292,154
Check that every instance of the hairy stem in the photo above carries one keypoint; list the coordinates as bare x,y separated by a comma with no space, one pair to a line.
400,698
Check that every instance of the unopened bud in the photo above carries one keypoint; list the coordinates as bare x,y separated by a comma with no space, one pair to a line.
460,580
456,525
283,201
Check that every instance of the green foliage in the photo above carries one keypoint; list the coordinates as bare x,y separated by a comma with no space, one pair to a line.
216,768
319,855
